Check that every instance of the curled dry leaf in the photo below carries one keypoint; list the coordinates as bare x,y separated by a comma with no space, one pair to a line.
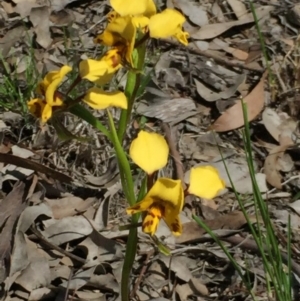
271,166
278,125
233,118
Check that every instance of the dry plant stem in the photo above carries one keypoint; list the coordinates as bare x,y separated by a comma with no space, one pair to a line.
143,270
174,153
216,58
251,245
54,247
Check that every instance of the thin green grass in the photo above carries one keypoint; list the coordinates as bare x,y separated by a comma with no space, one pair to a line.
14,93
277,274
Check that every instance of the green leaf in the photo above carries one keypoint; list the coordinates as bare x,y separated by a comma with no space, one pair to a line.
83,113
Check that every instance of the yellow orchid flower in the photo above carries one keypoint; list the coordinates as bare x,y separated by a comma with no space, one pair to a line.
43,107
134,7
101,71
149,151
166,197
99,99
205,182
121,33
168,23
164,200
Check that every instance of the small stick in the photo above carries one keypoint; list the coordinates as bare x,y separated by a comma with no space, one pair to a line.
54,247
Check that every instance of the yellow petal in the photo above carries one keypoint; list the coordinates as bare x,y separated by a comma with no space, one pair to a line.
173,222
101,71
133,7
150,223
99,99
168,24
36,107
56,80
149,151
108,38
111,16
167,193
124,27
47,113
205,182
143,205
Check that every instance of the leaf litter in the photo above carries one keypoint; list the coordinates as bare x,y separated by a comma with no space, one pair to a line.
64,238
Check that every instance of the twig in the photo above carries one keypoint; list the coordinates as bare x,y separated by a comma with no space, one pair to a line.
143,270
57,248
216,58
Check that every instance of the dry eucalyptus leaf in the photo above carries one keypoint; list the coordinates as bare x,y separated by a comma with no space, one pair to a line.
271,167
244,185
69,206
279,124
167,109
211,96
39,17
198,287
192,231
10,209
177,266
10,38
193,11
19,258
105,282
233,117
80,279
295,205
30,214
58,5
68,229
239,8
213,30
37,274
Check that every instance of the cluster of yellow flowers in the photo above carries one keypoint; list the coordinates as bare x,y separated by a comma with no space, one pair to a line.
127,21
165,199
124,22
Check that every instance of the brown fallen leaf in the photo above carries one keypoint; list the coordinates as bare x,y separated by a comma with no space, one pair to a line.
39,17
10,209
239,8
10,38
212,96
192,231
233,118
273,175
69,206
211,31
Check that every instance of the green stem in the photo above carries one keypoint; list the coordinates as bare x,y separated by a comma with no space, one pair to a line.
131,89
127,184
86,115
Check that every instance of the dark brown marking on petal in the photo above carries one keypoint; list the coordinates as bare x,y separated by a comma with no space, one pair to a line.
37,110
147,224
152,214
175,226
162,210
